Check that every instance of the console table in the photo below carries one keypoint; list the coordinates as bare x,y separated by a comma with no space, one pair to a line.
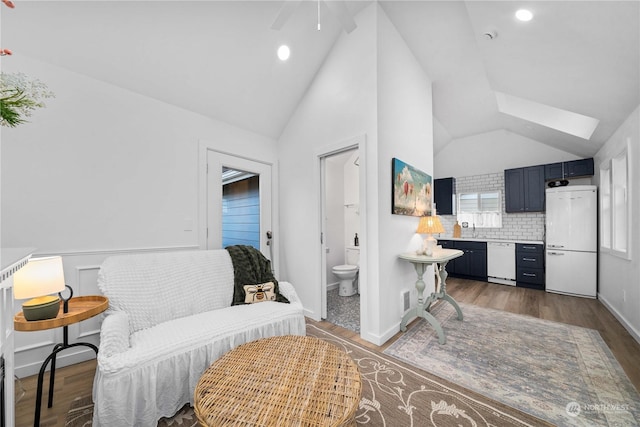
72,311
439,260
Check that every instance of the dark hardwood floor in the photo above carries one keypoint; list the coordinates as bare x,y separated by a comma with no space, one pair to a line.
74,381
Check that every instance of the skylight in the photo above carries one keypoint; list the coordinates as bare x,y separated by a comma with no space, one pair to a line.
555,118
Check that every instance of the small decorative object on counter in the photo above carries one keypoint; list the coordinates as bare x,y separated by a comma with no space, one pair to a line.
457,230
356,241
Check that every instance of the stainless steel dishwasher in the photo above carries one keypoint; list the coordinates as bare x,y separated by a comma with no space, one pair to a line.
501,263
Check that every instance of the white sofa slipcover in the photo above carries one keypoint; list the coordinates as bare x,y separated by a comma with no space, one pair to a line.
169,318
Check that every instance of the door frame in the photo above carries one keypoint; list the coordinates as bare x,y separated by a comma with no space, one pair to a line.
356,142
210,188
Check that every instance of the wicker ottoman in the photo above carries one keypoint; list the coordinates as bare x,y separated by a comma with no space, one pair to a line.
280,381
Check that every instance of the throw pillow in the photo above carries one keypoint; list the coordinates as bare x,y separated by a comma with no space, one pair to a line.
259,293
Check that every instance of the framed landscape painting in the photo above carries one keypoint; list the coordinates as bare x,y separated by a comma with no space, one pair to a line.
411,190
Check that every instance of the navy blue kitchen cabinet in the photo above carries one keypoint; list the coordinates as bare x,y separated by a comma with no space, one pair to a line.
578,168
530,266
524,189
554,171
443,195
571,169
471,265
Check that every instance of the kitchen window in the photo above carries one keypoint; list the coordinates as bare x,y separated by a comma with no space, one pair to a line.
480,210
614,205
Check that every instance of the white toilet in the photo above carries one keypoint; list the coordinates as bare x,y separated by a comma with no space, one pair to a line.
348,273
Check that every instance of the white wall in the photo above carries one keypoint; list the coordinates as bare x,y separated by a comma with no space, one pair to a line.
493,152
405,131
617,275
339,105
102,170
369,84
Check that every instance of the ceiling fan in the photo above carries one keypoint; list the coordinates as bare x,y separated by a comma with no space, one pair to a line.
337,8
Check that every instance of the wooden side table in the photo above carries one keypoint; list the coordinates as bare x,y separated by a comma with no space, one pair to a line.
71,311
421,262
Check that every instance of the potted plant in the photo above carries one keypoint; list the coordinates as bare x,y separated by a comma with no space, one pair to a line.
19,97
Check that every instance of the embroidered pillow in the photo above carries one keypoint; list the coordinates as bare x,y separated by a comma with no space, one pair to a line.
259,293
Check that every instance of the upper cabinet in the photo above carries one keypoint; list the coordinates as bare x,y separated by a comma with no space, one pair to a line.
572,169
524,189
444,196
554,171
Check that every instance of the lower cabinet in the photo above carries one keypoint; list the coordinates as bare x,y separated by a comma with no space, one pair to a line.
530,266
471,265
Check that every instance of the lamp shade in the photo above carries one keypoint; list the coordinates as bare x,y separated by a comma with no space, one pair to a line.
41,276
430,225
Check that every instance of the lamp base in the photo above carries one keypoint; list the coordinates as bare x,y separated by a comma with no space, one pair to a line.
41,308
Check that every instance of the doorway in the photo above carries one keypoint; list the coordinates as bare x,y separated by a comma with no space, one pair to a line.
342,210
238,203
341,182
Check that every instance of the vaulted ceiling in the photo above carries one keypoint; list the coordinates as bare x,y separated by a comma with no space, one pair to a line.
217,58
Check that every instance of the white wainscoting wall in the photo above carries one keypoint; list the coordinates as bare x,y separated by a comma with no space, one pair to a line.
81,273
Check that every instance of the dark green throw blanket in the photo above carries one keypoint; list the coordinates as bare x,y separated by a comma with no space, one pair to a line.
250,267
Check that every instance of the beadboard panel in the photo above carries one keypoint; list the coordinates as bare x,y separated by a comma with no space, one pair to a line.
81,273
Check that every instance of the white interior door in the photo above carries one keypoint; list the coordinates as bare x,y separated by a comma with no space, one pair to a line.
323,239
216,161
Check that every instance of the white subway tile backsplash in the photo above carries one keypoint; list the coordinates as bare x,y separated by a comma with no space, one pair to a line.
515,226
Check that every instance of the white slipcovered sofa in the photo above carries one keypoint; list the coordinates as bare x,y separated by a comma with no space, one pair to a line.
169,318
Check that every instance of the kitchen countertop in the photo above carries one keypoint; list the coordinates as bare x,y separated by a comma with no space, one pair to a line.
485,239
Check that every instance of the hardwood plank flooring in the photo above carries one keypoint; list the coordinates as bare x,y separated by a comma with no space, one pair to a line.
76,380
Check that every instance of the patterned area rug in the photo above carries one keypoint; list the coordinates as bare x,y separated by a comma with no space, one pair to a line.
394,394
81,415
561,373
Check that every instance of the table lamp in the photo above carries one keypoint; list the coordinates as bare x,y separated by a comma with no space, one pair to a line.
429,225
37,280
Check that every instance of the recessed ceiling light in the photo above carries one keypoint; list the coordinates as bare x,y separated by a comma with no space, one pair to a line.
284,52
524,15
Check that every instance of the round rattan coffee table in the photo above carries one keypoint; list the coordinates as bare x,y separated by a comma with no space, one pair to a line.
280,381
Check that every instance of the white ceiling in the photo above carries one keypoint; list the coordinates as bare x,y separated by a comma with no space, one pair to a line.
217,58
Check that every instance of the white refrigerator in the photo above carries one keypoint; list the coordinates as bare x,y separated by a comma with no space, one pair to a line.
571,240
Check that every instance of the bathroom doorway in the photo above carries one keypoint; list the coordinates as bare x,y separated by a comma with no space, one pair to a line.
340,177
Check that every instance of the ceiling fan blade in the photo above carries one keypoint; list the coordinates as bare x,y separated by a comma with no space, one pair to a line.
286,10
339,9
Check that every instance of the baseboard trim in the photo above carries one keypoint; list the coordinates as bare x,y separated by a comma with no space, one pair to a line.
632,331
311,315
62,360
